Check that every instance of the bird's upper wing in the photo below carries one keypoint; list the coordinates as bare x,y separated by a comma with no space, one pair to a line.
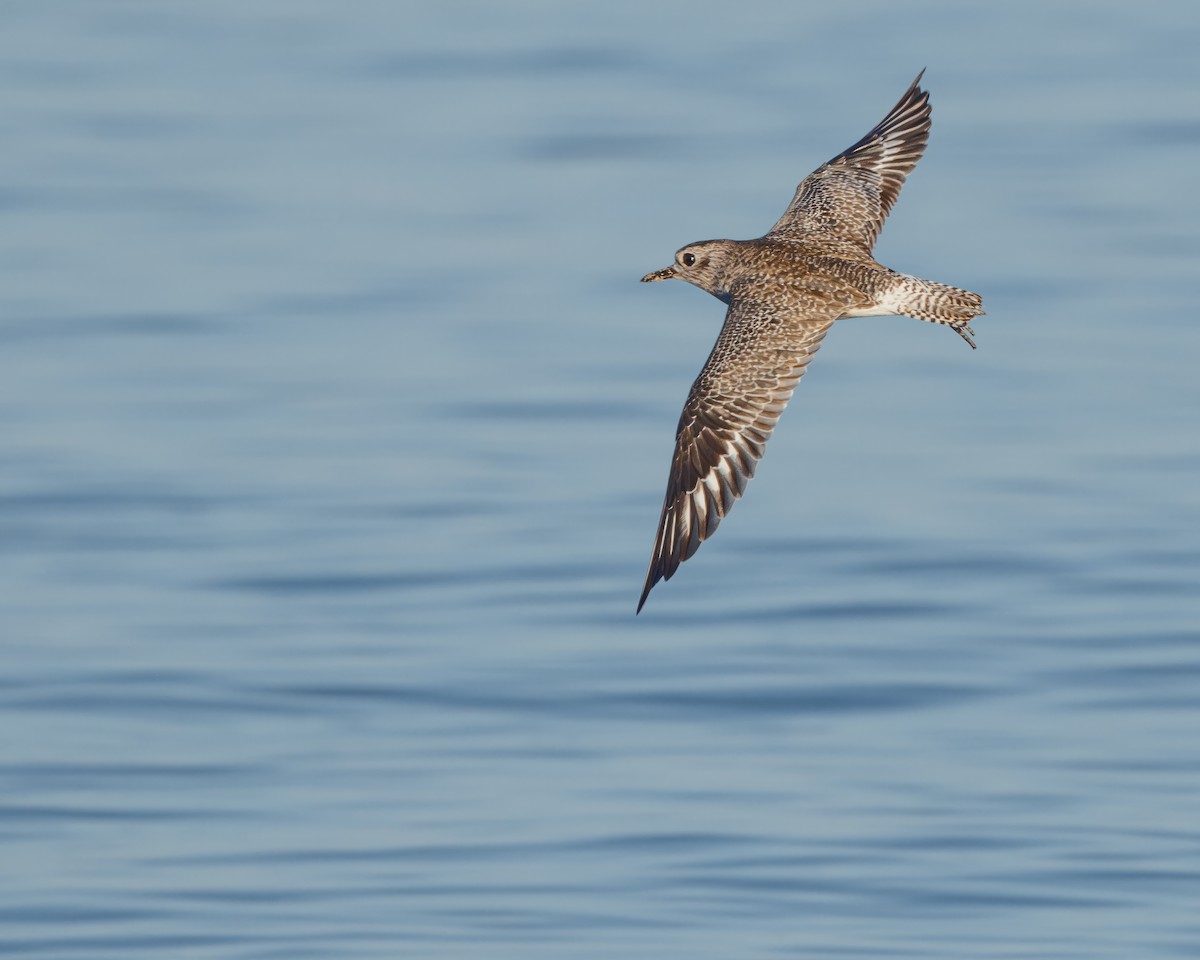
848,198
733,406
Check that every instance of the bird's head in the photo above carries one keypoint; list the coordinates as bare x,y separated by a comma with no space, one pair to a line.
705,264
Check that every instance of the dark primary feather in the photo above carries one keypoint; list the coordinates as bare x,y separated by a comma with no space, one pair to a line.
730,412
849,197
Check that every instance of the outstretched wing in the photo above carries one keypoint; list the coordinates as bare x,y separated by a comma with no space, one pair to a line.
733,406
849,197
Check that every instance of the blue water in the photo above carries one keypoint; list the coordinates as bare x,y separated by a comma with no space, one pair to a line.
336,426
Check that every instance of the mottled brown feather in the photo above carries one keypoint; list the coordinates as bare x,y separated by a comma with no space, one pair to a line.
730,412
849,198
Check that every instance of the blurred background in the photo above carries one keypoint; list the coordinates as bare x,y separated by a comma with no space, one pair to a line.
336,425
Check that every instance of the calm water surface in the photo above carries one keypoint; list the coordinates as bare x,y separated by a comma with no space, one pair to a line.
336,426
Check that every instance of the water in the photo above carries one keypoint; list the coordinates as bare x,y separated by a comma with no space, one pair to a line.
336,425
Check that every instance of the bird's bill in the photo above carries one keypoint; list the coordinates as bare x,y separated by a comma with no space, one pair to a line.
666,273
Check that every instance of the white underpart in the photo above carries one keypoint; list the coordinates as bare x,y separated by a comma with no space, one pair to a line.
880,310
894,302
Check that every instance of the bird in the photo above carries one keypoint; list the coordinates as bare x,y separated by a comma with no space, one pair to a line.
783,291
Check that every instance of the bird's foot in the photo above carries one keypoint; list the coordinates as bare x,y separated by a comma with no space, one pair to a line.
964,330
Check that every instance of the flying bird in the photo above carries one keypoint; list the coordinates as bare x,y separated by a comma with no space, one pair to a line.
784,291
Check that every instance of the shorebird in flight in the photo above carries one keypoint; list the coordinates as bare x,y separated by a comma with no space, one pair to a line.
784,291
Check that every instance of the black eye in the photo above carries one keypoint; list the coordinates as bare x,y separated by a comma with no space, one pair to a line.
688,259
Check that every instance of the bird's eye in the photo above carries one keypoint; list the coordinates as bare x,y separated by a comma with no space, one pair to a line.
688,259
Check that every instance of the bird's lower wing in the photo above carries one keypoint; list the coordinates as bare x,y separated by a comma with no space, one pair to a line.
730,412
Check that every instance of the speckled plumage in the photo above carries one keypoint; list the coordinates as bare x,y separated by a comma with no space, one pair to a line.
784,291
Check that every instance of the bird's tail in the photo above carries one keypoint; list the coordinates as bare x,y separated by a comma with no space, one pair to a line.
938,303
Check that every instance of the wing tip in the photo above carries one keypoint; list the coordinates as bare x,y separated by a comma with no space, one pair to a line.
653,575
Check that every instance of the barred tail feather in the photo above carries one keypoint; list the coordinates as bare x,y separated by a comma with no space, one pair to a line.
940,303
